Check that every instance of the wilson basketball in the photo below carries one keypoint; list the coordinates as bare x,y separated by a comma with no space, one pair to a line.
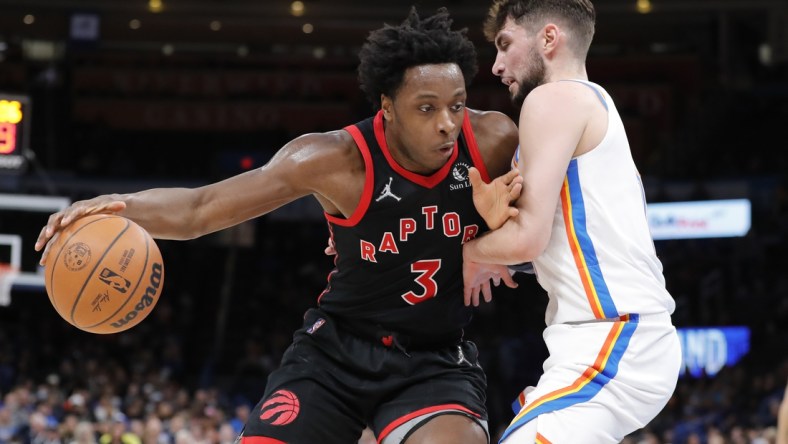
104,273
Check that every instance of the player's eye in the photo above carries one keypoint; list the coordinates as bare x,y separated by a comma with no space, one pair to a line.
426,108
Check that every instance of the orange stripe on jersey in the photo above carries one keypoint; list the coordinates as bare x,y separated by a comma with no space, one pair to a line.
574,244
541,439
587,376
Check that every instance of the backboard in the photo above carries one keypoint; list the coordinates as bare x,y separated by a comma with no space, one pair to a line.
21,219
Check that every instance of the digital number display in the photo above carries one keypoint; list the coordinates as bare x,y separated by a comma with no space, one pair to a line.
10,118
14,124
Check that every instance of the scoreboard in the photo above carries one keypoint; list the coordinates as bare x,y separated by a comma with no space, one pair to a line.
14,132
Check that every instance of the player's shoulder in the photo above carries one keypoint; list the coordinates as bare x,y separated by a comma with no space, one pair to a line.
559,94
330,140
322,145
497,138
491,123
483,118
318,154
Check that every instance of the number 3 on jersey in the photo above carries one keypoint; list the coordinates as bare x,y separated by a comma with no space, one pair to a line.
426,269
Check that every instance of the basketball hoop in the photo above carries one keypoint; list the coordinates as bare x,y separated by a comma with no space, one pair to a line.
7,275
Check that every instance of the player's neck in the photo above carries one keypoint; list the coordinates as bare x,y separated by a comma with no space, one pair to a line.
568,72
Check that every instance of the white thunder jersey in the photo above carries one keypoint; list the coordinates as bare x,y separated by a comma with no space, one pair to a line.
600,262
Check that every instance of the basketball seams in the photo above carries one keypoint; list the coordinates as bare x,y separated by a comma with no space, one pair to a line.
71,273
136,286
63,244
98,262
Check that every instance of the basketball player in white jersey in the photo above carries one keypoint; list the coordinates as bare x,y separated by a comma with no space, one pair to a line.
614,353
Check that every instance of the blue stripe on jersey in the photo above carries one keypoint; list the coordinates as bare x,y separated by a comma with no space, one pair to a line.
586,245
589,388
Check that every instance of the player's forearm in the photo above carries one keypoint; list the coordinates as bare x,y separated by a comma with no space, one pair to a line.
166,213
509,245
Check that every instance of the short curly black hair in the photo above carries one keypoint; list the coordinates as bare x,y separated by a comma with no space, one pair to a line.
391,50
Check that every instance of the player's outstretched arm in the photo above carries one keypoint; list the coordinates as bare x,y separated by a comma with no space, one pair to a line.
304,166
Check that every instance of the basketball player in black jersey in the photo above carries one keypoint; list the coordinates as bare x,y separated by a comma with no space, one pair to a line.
384,347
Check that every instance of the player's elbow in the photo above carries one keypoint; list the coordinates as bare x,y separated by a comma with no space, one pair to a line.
528,246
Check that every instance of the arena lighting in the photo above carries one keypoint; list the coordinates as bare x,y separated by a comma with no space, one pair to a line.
643,6
297,8
29,19
700,219
155,5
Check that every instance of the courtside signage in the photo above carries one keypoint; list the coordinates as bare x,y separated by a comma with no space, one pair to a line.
707,350
701,219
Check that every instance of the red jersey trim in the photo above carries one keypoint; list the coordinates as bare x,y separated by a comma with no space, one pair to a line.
425,181
473,148
260,440
436,408
330,273
369,182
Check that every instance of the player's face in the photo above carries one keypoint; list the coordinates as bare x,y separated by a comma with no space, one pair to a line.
518,62
424,119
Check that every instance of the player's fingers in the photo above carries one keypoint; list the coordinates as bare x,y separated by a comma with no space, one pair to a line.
513,212
509,281
468,290
486,292
49,229
71,214
475,177
82,211
474,296
331,248
42,238
43,259
511,176
515,191
496,280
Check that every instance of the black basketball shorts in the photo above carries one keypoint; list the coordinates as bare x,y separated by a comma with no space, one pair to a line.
332,384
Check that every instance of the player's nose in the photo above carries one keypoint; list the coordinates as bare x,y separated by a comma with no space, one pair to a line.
498,66
446,124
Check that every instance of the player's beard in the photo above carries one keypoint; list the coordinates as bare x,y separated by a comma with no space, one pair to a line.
531,79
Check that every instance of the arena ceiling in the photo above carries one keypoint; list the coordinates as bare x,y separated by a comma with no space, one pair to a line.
699,26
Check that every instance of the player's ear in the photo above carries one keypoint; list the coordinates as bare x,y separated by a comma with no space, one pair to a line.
387,105
550,36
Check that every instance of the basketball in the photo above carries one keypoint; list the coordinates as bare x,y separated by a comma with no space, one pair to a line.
103,273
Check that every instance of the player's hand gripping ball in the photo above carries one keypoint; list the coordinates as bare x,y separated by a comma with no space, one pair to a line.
104,273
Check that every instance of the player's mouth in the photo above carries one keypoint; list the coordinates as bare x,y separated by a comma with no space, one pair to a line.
510,82
447,147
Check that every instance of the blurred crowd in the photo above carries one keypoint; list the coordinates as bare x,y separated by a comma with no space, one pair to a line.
191,372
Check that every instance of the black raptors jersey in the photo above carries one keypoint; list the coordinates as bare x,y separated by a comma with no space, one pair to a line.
399,256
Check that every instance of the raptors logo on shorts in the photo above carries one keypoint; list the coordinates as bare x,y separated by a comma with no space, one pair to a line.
280,409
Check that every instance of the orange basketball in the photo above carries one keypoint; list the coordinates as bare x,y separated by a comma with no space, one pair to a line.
104,273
